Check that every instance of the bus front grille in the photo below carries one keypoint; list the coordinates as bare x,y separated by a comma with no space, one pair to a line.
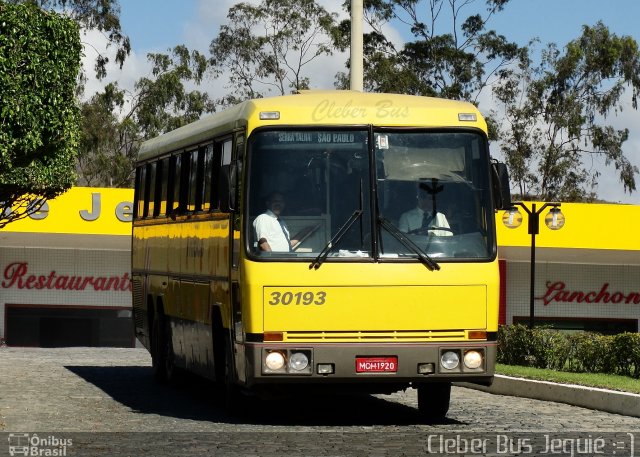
376,336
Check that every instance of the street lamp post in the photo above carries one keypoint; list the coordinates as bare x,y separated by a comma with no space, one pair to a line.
356,81
554,220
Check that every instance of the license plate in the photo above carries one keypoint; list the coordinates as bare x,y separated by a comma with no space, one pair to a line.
376,364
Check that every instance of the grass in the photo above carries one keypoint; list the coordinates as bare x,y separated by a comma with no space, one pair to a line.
603,381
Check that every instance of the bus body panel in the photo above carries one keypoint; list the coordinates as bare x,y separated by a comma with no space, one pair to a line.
385,296
369,308
414,318
219,299
183,269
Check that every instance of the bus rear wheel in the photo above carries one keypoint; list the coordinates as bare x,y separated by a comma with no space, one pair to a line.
158,351
173,374
433,400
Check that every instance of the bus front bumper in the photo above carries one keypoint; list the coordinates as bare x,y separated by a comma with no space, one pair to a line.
465,361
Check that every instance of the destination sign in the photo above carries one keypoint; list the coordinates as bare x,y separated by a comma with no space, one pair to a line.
318,137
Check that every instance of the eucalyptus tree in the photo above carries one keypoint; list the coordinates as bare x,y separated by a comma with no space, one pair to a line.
556,115
447,50
265,48
116,122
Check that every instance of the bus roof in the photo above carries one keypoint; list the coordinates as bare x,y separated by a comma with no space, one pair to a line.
321,108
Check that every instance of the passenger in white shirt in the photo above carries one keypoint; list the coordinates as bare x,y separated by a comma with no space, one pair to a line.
422,220
271,232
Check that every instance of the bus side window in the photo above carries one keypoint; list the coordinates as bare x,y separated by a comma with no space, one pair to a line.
192,203
199,172
154,200
183,196
151,189
207,176
216,163
163,185
173,184
140,191
222,159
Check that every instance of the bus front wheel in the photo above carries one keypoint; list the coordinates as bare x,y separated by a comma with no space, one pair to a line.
235,402
433,400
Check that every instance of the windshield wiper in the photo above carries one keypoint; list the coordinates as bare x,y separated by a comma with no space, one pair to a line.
317,262
407,243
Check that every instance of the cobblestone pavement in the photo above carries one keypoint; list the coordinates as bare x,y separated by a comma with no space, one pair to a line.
71,391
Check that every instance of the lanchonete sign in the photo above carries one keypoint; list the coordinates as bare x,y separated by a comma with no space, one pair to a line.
17,275
557,292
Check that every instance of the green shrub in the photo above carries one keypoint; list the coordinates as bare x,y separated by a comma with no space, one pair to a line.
557,348
625,354
590,353
514,345
562,351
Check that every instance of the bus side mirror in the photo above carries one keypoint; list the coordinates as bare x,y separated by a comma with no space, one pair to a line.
500,185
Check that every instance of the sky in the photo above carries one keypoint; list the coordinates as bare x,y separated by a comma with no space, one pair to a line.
154,26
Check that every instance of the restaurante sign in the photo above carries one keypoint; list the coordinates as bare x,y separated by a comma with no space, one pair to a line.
16,275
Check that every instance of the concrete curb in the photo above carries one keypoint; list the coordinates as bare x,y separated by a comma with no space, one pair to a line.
611,401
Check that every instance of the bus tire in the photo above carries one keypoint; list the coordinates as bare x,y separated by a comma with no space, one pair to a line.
219,349
235,402
433,400
158,351
173,374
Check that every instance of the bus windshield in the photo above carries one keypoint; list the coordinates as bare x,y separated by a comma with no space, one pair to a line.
359,194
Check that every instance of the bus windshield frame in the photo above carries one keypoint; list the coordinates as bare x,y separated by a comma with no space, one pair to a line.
369,194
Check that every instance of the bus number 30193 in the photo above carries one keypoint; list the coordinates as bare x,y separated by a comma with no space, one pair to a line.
298,298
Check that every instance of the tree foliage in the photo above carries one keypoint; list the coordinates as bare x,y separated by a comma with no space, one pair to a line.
101,15
264,48
555,115
108,144
164,102
457,63
39,62
114,123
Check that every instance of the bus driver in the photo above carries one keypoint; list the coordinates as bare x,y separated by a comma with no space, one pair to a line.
271,231
422,219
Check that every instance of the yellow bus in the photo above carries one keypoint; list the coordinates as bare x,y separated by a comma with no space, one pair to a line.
387,277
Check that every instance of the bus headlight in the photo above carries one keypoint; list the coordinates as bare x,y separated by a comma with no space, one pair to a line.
450,360
274,361
472,359
298,361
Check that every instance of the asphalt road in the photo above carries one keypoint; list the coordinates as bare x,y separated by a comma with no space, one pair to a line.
98,401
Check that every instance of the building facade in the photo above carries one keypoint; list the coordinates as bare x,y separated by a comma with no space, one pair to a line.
587,274
66,272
